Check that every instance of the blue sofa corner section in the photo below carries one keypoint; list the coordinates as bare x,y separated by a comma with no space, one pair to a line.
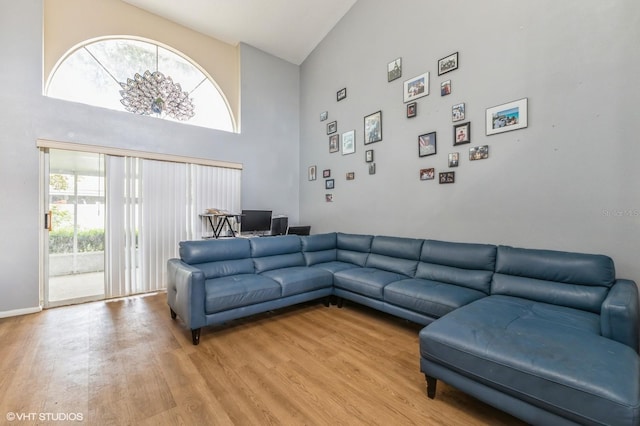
548,336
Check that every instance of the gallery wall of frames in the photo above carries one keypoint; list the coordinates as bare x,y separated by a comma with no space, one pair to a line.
444,150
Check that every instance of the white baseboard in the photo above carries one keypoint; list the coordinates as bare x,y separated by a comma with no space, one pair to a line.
17,312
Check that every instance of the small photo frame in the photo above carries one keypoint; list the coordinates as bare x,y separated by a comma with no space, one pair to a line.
349,142
351,175
328,198
412,109
445,88
427,174
479,153
507,117
341,94
334,143
373,128
427,144
312,172
457,112
332,127
326,173
447,177
329,184
448,64
324,115
454,159
368,156
416,87
372,168
462,133
394,69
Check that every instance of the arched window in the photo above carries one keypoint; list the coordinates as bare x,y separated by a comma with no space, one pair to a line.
141,77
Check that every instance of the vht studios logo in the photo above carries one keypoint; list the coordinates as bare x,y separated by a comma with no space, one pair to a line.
44,417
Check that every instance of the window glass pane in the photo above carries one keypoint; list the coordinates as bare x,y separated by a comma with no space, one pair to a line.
179,69
125,58
81,79
210,107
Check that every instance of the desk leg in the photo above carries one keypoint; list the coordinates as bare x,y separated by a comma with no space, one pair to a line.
213,228
218,229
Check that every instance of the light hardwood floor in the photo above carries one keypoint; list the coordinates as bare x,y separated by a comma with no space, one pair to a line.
126,362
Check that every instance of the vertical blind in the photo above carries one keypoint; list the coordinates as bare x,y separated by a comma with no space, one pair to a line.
152,205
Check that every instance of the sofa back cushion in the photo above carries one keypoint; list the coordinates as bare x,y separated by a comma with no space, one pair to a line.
276,252
395,254
319,248
218,258
575,280
353,248
463,264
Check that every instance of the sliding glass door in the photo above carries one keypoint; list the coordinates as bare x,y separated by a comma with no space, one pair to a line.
75,231
113,221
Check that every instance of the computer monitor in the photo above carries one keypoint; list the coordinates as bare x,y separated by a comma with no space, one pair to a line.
255,221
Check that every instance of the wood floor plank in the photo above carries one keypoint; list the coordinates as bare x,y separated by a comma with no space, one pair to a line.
127,362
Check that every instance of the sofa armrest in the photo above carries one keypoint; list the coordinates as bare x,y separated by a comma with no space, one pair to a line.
620,314
185,293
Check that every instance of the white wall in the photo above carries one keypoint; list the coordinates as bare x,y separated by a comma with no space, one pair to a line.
570,181
267,146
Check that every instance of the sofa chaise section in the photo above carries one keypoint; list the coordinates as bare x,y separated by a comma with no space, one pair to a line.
541,346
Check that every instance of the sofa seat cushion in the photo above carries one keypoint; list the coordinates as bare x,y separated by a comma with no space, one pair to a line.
335,266
366,281
300,279
230,292
431,298
550,356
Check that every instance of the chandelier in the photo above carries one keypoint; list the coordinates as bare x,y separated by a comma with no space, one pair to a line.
153,93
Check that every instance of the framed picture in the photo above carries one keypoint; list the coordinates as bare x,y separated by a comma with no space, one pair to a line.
373,128
448,63
341,94
412,109
457,112
332,127
427,144
368,155
334,143
506,117
349,142
479,152
372,168
454,159
326,173
351,175
328,198
416,87
394,69
312,172
427,174
324,115
462,133
329,184
445,88
447,177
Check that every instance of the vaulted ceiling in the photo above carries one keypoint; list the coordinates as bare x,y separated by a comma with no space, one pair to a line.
288,29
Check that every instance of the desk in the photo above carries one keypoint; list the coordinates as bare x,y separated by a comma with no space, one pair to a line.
218,221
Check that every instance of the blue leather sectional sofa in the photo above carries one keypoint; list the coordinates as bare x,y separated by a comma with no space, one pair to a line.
550,337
